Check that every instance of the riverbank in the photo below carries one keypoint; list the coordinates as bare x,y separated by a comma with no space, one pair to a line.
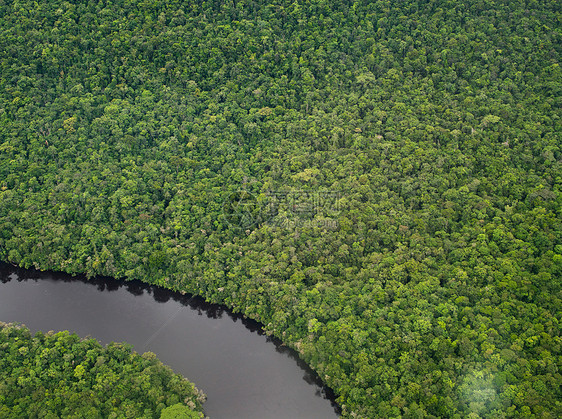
243,372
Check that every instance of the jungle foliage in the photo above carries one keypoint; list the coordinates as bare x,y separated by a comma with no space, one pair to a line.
431,288
56,375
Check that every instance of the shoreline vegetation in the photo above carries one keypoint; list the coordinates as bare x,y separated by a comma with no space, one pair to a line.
61,375
10,272
376,182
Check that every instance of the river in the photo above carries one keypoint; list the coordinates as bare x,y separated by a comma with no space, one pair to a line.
244,373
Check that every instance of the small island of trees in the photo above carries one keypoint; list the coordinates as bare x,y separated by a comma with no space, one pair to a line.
54,375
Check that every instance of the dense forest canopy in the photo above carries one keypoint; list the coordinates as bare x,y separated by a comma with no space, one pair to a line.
152,140
58,375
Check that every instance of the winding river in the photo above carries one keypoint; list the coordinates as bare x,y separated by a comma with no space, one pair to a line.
244,373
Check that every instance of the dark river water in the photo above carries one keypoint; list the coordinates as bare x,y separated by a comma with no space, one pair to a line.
244,373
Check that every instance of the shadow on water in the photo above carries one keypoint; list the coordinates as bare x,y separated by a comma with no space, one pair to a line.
9,272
